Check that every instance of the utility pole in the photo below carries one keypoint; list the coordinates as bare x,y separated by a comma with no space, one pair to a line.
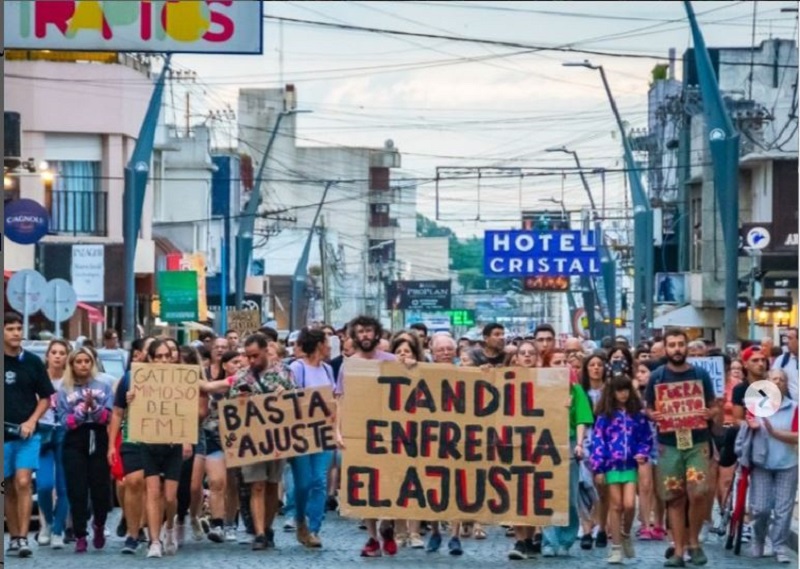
323,259
724,146
136,174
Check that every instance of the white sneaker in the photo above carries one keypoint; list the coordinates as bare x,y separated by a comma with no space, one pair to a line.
57,541
154,550
781,557
747,533
704,532
756,550
548,551
45,535
170,543
217,535
180,532
197,530
230,534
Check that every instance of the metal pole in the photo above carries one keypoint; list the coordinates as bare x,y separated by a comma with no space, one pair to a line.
129,233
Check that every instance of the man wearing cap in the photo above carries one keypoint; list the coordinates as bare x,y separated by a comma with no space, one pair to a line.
755,364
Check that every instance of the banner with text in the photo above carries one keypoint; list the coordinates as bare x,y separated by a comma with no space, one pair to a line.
441,442
683,404
715,366
243,322
271,427
165,408
520,253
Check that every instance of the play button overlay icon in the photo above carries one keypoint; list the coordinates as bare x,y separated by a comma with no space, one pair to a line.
763,398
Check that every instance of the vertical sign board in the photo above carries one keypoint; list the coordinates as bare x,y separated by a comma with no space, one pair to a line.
192,262
177,291
88,272
165,406
440,442
520,253
188,26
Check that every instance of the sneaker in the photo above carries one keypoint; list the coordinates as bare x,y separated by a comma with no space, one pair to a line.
289,526
537,543
259,543
530,547
645,534
130,546
587,541
454,545
245,539
170,543
122,527
615,555
69,535
781,557
698,557
674,561
519,552
205,525
389,543
548,551
415,541
562,552
25,549
302,533
154,550
197,530
269,537
371,549
143,537
434,543
659,533
57,541
99,538
313,541
601,540
45,534
747,533
768,549
627,547
331,504
216,534
230,534
180,532
81,546
13,546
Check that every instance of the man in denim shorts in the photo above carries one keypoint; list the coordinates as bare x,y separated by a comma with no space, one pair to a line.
681,400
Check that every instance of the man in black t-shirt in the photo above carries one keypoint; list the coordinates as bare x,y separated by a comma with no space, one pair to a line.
27,396
755,362
493,350
683,461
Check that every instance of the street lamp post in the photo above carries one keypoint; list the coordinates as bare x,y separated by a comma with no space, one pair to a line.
642,221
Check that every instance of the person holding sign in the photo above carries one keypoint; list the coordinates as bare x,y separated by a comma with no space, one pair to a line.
263,478
621,441
156,460
84,408
310,471
681,401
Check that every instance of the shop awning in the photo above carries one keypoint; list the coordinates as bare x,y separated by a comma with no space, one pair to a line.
690,317
94,314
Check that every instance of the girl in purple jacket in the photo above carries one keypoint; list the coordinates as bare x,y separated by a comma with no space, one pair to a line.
621,441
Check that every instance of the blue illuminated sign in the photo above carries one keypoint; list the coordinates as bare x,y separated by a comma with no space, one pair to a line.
519,253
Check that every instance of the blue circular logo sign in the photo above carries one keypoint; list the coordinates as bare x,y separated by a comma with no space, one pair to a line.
26,221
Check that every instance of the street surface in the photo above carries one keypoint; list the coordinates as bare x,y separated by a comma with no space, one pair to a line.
342,545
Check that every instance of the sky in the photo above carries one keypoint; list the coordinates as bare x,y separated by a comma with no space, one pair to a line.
455,104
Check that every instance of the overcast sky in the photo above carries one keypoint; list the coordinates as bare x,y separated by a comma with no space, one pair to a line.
441,107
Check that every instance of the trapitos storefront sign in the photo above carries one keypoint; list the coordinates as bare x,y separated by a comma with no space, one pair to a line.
196,26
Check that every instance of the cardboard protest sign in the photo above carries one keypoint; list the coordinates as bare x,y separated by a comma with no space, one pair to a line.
165,409
270,427
682,403
715,366
441,442
244,322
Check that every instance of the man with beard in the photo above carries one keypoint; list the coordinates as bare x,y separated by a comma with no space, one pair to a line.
365,333
755,362
683,462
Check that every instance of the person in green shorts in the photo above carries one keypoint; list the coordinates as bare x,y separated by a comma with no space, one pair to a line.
621,441
681,401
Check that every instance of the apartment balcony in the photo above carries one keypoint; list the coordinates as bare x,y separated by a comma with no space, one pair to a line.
78,213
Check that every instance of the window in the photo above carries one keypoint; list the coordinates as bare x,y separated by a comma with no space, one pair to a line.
76,203
697,233
378,178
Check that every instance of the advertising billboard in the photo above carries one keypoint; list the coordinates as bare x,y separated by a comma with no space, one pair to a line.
418,295
174,26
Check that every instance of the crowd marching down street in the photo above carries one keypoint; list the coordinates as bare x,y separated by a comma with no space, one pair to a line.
653,452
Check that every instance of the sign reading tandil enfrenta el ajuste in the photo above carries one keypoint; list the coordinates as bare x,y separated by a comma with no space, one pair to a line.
189,26
441,442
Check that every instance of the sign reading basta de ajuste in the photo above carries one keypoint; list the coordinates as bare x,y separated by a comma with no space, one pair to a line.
522,253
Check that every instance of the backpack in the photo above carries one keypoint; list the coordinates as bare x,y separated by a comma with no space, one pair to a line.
785,359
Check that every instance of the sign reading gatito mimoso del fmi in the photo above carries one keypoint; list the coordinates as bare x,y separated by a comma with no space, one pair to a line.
523,253
193,26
